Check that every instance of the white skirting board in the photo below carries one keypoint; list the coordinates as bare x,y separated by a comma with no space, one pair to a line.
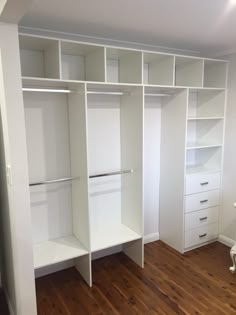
151,238
226,240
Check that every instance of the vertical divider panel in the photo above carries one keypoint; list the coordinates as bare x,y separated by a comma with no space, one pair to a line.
95,60
132,111
79,168
52,60
172,168
60,61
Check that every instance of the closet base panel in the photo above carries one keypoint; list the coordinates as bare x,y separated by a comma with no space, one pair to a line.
83,265
135,251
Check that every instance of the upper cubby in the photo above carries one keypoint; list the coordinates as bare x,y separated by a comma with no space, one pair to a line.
158,69
188,71
206,104
82,62
39,57
123,66
215,73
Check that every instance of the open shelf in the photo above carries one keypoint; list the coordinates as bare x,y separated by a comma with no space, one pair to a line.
215,73
203,160
158,69
204,133
58,250
82,62
39,57
188,71
123,65
206,104
113,236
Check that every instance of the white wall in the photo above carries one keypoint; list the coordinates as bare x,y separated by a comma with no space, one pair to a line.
228,212
15,202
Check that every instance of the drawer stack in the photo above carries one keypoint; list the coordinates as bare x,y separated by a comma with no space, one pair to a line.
202,200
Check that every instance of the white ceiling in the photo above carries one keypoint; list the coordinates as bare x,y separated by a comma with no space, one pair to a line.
206,26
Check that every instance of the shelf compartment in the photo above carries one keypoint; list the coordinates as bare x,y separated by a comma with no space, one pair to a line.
113,236
158,69
39,57
123,66
58,250
215,73
203,160
188,71
206,104
82,62
204,133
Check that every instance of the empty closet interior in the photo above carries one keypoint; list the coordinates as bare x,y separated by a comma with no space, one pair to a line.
113,134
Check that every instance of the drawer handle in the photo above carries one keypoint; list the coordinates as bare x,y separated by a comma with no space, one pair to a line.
202,219
203,201
205,183
203,235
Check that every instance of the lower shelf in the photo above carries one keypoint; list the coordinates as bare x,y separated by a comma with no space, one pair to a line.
58,250
116,235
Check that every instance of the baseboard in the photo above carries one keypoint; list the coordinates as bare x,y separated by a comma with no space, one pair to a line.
53,268
106,252
151,237
226,240
10,308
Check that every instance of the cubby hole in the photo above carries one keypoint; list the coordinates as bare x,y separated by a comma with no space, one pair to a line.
188,71
215,73
158,69
123,66
39,57
82,62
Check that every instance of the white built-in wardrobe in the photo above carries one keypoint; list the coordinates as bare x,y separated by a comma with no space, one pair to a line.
87,112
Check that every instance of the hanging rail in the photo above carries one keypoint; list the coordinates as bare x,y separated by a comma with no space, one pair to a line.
112,173
66,91
53,181
157,94
107,93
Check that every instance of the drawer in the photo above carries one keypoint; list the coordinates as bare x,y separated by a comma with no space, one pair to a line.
202,201
201,217
200,235
202,182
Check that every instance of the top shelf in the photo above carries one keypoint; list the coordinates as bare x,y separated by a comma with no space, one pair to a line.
55,59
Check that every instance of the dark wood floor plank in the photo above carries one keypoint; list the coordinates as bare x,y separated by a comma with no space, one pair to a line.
197,282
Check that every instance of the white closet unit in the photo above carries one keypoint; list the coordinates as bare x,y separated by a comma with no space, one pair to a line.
84,118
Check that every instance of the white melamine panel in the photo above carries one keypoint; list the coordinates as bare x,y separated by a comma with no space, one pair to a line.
201,235
152,143
39,57
200,218
57,250
202,200
82,62
158,69
202,182
215,73
79,168
206,104
188,71
173,126
112,236
205,133
203,160
129,65
47,131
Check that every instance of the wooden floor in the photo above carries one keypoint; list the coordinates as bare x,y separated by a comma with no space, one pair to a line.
195,283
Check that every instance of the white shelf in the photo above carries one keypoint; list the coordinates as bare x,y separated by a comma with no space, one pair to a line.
58,250
113,236
191,146
205,118
196,169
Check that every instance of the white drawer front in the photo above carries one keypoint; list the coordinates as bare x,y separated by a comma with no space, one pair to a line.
201,217
202,201
200,235
202,182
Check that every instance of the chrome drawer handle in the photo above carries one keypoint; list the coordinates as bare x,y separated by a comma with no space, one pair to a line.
202,235
202,219
203,201
205,183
